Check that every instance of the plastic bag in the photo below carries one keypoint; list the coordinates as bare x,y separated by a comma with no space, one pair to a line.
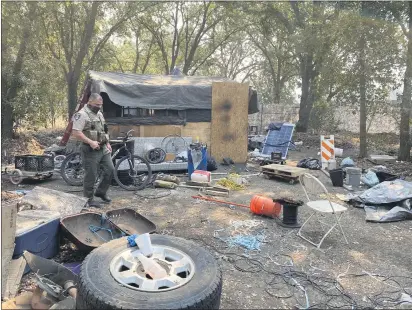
347,162
370,178
310,163
211,164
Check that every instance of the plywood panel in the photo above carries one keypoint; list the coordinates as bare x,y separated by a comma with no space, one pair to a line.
229,121
120,130
195,130
159,130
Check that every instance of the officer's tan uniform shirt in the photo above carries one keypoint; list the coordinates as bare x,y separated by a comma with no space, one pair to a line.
83,120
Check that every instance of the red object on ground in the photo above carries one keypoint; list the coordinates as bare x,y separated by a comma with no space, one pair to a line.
259,204
265,206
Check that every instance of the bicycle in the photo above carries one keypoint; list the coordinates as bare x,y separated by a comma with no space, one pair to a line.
135,175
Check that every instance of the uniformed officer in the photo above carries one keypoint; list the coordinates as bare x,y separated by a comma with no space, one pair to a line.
89,127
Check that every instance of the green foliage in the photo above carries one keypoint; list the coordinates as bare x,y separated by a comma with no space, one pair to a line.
271,45
322,117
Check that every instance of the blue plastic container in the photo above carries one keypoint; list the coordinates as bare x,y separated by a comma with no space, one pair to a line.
196,160
37,232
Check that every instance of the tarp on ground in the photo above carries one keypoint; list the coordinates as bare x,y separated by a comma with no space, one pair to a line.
160,91
386,192
388,201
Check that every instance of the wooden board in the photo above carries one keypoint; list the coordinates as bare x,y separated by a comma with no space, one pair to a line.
120,130
292,180
197,130
283,170
159,130
229,127
15,273
49,199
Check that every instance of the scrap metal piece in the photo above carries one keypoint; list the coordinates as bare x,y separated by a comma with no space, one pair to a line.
45,267
55,279
54,272
49,286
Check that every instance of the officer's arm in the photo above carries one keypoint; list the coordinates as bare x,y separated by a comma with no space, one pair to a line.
80,136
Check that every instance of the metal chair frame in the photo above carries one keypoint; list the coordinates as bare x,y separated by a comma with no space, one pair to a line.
310,178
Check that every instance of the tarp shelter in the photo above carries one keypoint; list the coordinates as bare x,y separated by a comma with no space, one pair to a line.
192,94
159,105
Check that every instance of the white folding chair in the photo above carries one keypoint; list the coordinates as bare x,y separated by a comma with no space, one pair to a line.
313,187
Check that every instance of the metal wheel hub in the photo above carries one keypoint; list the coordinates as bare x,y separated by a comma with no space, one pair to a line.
127,269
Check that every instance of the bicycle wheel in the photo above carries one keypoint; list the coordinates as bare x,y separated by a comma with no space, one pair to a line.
72,170
16,177
156,155
132,173
174,144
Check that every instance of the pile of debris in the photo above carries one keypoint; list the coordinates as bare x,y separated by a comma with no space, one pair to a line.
29,215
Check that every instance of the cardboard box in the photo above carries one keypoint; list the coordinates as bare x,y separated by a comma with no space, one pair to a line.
170,157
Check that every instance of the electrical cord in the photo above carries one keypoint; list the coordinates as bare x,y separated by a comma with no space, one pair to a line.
157,192
331,290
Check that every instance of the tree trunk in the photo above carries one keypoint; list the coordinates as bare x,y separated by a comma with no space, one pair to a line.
362,92
7,111
261,119
305,108
405,138
74,73
6,120
72,98
276,93
136,60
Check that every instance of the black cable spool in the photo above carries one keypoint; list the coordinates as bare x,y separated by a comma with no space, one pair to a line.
290,212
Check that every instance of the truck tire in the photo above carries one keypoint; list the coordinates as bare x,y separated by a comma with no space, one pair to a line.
98,289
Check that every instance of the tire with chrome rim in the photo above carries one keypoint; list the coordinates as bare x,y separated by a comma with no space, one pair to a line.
112,277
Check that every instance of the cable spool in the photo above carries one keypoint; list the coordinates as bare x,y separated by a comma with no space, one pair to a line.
290,212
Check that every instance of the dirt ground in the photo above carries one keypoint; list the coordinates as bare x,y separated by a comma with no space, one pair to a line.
373,270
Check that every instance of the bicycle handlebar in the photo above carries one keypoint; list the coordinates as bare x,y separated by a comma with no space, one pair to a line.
127,136
128,133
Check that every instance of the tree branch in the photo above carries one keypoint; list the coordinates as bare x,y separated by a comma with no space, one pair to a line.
282,18
217,46
298,16
149,54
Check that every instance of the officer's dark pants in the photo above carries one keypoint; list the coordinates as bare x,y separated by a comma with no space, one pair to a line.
92,162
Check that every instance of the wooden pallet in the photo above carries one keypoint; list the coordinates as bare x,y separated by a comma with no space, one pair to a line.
283,171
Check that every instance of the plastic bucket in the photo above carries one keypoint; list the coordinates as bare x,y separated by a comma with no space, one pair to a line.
336,177
353,176
264,206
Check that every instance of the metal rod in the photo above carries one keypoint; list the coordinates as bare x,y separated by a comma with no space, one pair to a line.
221,201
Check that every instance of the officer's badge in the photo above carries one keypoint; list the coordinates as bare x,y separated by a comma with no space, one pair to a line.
77,116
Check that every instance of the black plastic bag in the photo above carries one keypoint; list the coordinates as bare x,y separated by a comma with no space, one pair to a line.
310,163
211,164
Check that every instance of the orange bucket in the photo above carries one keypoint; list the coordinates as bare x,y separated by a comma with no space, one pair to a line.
265,206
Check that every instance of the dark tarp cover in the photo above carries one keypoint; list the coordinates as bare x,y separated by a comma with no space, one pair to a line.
160,91
388,201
